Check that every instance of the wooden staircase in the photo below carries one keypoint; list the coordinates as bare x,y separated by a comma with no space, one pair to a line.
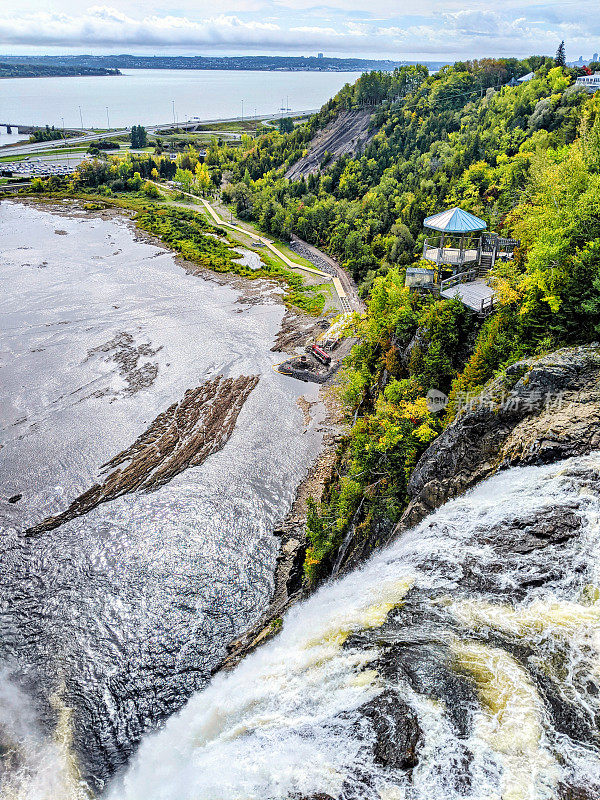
485,265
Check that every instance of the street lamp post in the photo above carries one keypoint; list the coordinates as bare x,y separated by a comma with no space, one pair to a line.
107,118
242,111
81,118
173,102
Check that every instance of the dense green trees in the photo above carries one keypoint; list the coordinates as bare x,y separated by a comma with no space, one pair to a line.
138,136
460,136
46,134
285,125
526,159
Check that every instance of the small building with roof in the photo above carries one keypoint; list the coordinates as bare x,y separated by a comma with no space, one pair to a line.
461,245
455,244
589,82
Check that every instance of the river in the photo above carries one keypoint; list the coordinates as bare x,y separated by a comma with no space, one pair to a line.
480,620
111,620
460,662
156,96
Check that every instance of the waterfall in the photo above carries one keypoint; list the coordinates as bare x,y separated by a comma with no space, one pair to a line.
483,621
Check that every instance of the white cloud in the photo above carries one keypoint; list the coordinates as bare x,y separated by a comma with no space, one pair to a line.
410,28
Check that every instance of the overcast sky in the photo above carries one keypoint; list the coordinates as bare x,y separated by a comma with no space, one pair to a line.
383,28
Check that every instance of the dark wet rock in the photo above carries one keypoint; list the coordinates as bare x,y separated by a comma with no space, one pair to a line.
570,792
541,410
15,498
183,436
516,544
427,670
395,728
549,526
318,796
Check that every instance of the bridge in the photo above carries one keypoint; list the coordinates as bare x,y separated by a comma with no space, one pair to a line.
189,125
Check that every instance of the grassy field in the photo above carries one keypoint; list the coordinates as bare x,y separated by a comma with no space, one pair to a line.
236,126
250,242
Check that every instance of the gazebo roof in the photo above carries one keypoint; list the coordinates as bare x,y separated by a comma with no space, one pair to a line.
455,220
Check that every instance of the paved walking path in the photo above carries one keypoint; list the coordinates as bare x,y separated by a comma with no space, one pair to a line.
327,278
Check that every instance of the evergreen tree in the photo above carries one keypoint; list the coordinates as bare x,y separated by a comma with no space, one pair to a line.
286,125
560,58
138,137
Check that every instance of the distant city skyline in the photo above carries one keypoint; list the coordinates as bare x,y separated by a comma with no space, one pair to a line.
381,28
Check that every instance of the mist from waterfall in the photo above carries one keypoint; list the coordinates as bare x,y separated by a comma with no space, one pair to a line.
482,592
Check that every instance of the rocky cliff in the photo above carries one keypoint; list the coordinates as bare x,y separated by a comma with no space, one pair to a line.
539,411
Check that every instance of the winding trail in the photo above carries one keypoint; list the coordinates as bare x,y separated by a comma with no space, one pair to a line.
345,288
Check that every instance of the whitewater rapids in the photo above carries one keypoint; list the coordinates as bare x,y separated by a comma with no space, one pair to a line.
518,623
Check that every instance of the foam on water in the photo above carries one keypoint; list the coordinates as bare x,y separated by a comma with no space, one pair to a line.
130,606
284,723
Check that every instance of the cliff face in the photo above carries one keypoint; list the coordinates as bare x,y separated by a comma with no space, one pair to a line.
539,411
345,134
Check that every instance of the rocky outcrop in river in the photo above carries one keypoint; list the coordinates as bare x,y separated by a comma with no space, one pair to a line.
183,436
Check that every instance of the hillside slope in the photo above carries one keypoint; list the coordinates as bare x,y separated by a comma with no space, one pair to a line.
345,135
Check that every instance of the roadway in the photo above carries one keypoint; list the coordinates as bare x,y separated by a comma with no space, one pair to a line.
34,147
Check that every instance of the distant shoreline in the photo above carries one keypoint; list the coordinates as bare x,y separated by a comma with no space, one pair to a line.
31,70
66,75
46,65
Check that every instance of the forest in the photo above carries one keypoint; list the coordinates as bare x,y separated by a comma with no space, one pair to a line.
526,159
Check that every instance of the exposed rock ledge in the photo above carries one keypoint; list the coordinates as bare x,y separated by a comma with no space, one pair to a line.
183,436
539,411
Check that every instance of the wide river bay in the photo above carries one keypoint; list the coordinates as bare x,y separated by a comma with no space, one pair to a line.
111,620
157,96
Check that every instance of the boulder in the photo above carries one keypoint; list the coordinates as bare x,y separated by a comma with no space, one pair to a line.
395,730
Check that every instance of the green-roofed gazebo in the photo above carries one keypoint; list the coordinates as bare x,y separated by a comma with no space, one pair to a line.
457,245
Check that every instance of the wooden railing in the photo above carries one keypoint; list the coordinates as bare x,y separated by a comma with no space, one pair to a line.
434,249
487,306
461,277
492,245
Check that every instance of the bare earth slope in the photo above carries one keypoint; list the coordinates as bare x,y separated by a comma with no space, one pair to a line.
343,135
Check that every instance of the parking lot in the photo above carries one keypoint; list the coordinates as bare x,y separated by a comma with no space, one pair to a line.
39,168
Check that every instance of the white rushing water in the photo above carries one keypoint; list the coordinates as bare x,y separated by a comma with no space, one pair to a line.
516,615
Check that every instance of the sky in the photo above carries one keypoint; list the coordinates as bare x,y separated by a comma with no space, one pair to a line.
397,29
